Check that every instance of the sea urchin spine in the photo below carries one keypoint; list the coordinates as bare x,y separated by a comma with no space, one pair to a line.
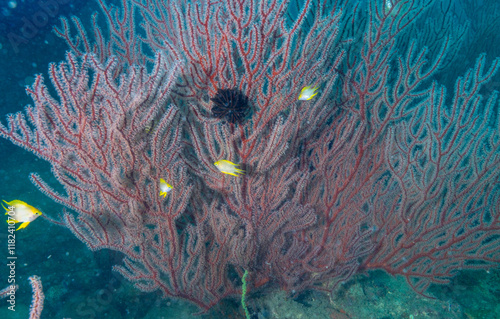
230,104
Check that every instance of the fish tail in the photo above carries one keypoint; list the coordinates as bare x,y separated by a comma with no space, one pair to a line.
23,225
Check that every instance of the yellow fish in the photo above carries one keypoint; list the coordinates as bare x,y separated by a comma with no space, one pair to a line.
228,167
307,93
164,187
21,213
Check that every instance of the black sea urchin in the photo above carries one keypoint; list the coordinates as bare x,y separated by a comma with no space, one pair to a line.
230,104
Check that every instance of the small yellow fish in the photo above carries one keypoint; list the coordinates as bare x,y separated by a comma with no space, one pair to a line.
21,213
164,187
228,167
307,93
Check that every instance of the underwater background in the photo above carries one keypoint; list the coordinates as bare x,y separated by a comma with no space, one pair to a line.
79,283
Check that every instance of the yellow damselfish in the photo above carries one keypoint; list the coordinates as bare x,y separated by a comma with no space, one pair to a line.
164,187
228,167
20,212
307,93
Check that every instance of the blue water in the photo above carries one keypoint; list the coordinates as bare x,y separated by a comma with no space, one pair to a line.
79,283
